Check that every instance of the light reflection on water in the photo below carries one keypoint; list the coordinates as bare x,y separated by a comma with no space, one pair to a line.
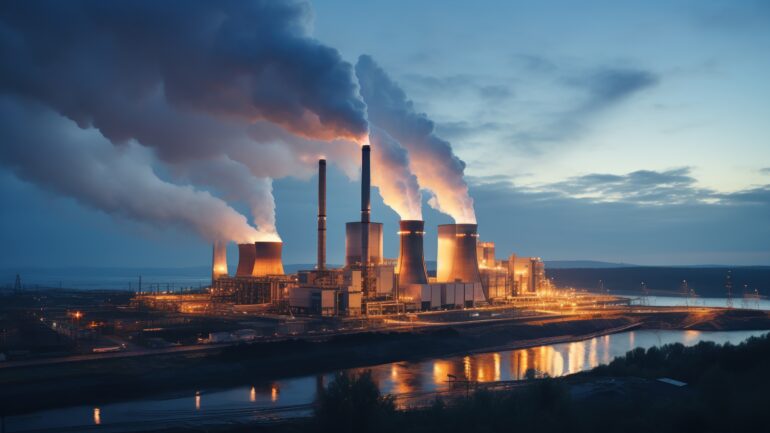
400,378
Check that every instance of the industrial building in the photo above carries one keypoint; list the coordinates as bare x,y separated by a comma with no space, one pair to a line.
468,273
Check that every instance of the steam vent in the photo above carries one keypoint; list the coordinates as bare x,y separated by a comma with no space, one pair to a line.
411,261
457,255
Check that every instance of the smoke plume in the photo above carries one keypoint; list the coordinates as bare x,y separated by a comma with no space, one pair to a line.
390,173
431,159
199,82
67,160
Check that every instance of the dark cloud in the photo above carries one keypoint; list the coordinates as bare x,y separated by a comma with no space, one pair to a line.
765,170
557,225
234,59
495,93
602,90
464,129
649,187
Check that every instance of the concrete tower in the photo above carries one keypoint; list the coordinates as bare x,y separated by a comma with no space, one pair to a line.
219,260
246,256
267,259
457,255
411,260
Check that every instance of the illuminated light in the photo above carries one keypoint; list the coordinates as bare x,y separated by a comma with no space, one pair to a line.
467,367
253,395
197,400
496,358
393,371
97,416
274,393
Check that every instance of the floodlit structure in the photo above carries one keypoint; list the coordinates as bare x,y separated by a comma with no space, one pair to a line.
219,260
457,256
246,256
411,259
267,259
363,240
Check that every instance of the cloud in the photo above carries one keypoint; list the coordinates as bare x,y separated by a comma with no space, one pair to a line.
62,158
557,224
648,188
431,158
765,170
601,90
201,83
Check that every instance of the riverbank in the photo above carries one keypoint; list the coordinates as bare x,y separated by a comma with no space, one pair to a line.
98,382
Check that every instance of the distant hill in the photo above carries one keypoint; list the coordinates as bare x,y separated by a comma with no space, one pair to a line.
705,281
589,264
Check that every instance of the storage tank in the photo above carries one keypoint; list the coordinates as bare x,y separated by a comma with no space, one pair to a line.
457,256
267,259
411,259
219,260
246,255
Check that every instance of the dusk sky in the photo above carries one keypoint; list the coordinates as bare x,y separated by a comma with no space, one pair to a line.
634,132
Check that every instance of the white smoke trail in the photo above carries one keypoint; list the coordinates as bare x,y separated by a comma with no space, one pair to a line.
390,173
431,159
42,147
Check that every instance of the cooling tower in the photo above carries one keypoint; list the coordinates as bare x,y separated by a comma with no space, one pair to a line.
457,256
354,245
411,260
267,259
219,261
321,215
246,256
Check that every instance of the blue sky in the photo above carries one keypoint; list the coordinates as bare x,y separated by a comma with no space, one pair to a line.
616,131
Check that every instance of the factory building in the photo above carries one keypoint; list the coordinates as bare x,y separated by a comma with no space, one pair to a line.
468,273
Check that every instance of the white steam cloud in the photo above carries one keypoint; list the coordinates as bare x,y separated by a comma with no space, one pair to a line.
390,173
431,159
204,84
67,160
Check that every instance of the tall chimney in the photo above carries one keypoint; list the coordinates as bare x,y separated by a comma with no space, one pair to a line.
366,205
321,214
366,180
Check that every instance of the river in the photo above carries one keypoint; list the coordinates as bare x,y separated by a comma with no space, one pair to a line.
410,382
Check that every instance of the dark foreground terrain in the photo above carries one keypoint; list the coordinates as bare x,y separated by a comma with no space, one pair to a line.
25,389
725,391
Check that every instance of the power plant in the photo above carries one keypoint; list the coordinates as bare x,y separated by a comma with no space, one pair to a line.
467,275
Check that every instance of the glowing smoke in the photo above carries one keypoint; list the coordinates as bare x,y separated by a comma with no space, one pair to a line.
390,173
63,158
197,81
431,158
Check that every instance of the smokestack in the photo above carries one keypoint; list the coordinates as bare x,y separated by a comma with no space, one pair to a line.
267,259
366,180
218,260
366,205
321,214
457,255
411,260
246,256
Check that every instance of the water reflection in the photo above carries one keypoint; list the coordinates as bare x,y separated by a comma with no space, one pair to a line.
406,379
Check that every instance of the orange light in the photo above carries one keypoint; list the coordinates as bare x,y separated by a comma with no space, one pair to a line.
97,416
